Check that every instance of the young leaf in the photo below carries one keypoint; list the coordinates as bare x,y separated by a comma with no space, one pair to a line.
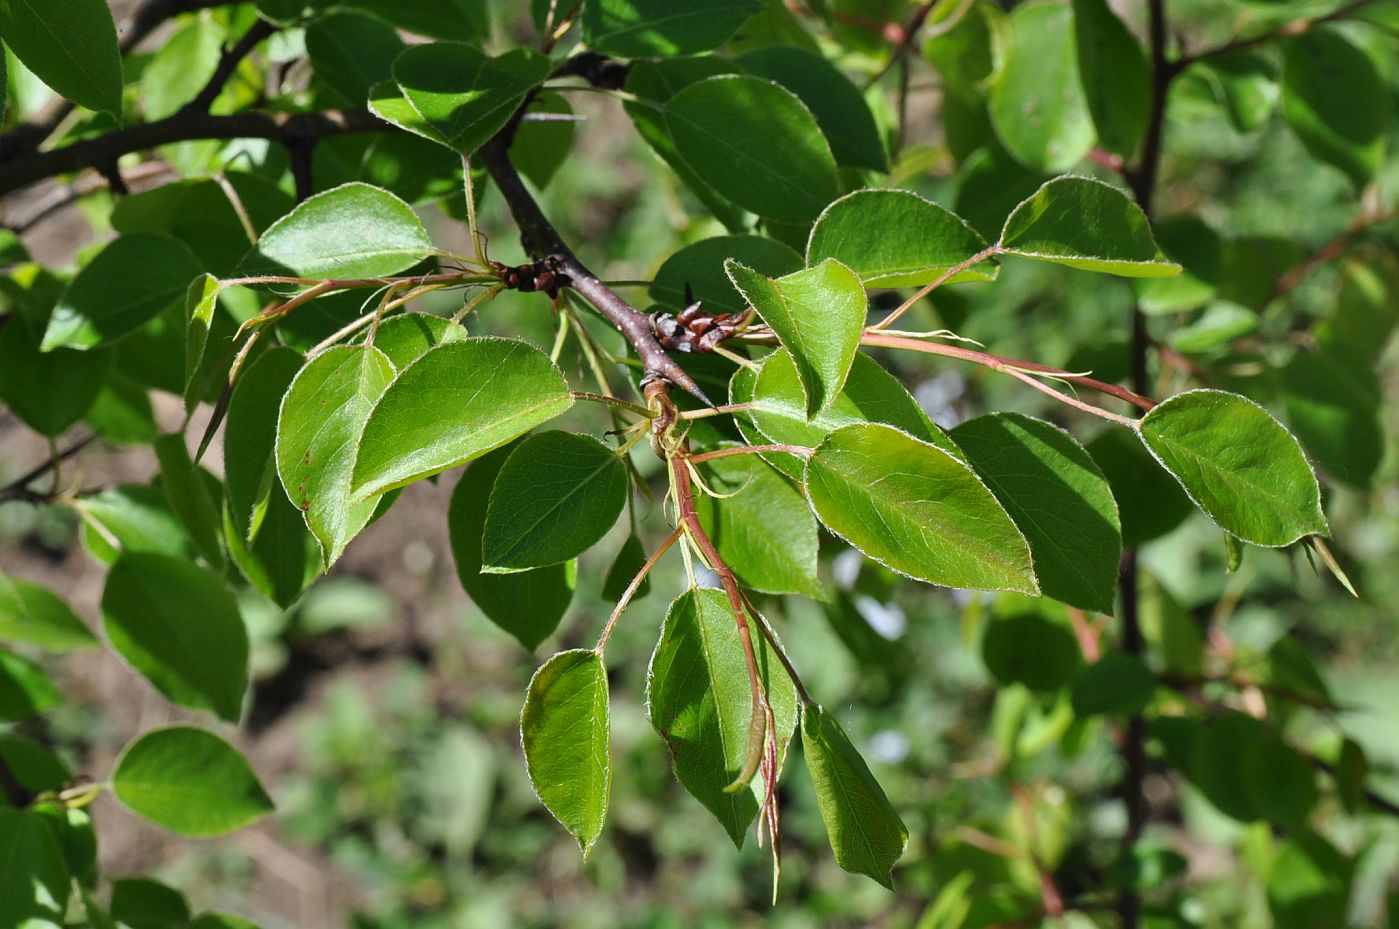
1058,499
915,508
557,496
405,339
25,690
1083,223
661,28
351,231
1115,75
698,696
839,107
189,781
1238,464
70,46
72,379
464,94
126,286
755,143
817,314
761,526
565,730
866,834
34,615
455,403
1335,101
201,299
250,435
1037,105
700,265
529,604
322,417
34,884
188,489
871,395
180,628
895,238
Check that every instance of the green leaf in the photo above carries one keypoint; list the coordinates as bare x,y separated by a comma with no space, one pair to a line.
1149,501
455,403
1034,649
201,299
557,495
699,701
1367,309
77,840
132,518
1058,499
405,339
180,628
756,144
352,52
1216,763
1336,102
70,46
762,527
35,767
34,615
283,558
322,417
895,238
1282,782
565,730
188,489
1037,104
250,435
1248,82
122,413
180,67
631,557
661,28
464,94
871,394
1309,883
25,690
529,604
72,380
467,20
1115,75
1200,252
143,903
834,100
969,52
1334,407
386,101
866,834
818,315
915,508
701,266
1238,464
34,884
124,287
351,231
1118,684
539,149
189,781
1086,224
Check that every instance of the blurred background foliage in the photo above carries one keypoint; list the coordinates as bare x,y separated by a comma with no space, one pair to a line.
385,713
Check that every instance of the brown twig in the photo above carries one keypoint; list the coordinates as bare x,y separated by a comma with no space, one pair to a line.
1329,252
1287,30
18,489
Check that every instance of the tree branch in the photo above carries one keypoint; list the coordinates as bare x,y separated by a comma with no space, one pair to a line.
18,489
228,63
20,170
1287,30
542,240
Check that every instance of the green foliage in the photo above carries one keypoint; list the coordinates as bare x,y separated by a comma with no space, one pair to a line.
319,267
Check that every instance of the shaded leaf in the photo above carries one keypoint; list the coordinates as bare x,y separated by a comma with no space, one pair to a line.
72,380
464,94
661,28
866,834
180,628
1336,102
352,52
1115,75
557,495
1118,684
34,615
701,266
250,435
70,46
34,884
